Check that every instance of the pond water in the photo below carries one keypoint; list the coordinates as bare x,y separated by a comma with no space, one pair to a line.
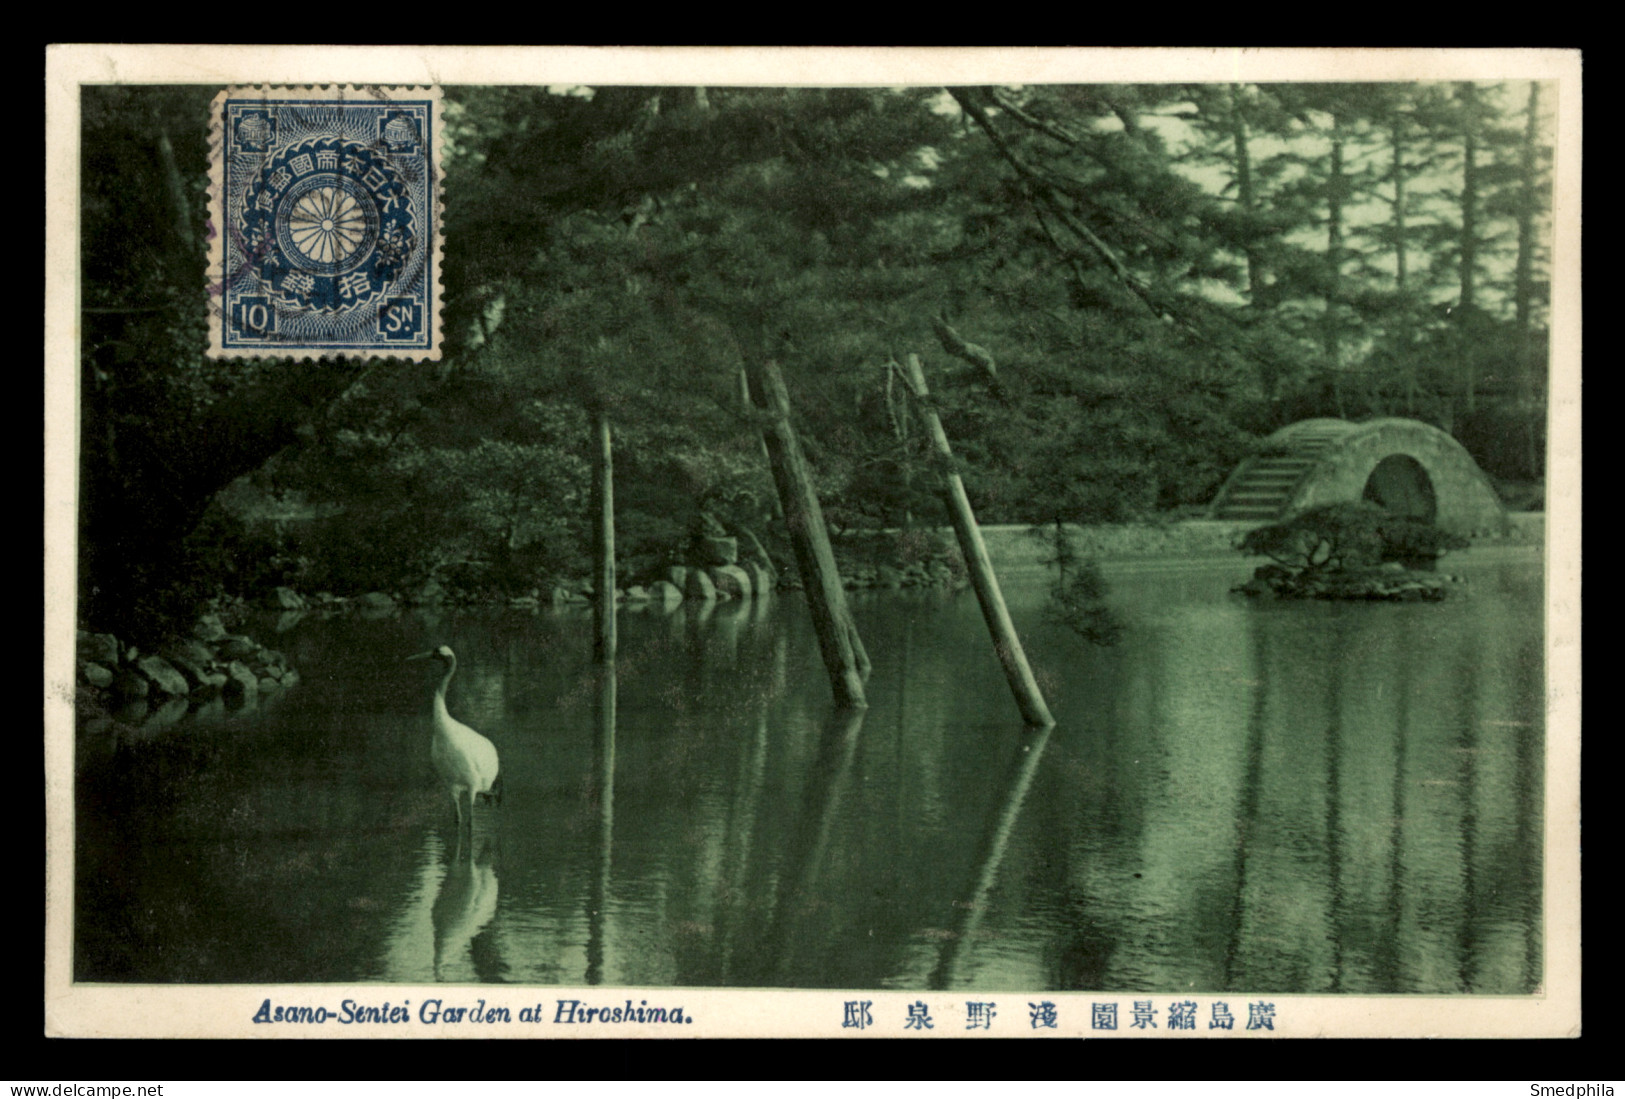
1260,797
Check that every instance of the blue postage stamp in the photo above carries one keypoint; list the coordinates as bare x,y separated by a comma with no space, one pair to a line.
325,223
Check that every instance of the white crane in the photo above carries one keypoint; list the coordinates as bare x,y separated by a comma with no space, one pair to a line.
465,761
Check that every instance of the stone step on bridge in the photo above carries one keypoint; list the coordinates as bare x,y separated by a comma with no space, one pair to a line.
1406,466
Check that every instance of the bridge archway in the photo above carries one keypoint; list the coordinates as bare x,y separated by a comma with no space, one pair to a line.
1400,484
1406,466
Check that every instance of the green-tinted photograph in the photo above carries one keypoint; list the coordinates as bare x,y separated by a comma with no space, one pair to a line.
943,540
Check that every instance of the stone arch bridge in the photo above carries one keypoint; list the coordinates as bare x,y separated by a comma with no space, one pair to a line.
1406,466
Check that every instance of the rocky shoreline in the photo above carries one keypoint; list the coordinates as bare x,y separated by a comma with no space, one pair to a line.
216,668
716,573
121,682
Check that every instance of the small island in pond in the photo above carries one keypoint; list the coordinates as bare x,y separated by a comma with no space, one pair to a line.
1350,551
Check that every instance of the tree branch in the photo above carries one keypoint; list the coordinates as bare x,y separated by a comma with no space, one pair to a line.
1100,248
1125,114
1044,190
1067,254
1050,190
1070,187
1043,126
254,423
955,345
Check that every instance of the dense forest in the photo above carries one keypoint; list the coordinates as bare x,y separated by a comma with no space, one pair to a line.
1117,290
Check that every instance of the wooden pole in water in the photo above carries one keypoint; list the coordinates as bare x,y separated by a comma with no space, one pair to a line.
1017,672
603,498
815,560
744,397
603,774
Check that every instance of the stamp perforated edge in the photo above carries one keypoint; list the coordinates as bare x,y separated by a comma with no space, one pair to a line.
215,276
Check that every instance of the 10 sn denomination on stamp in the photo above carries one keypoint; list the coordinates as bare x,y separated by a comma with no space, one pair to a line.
325,223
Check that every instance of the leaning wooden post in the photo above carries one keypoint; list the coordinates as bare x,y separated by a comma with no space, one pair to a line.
859,653
815,560
744,397
603,540
1017,671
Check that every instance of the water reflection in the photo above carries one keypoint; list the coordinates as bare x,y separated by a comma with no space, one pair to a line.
740,826
990,855
1261,797
436,933
464,905
1344,842
603,784
801,901
164,716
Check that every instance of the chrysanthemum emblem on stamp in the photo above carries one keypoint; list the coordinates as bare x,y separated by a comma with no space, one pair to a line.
325,223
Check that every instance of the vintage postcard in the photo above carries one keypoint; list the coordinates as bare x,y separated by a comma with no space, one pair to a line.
825,542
